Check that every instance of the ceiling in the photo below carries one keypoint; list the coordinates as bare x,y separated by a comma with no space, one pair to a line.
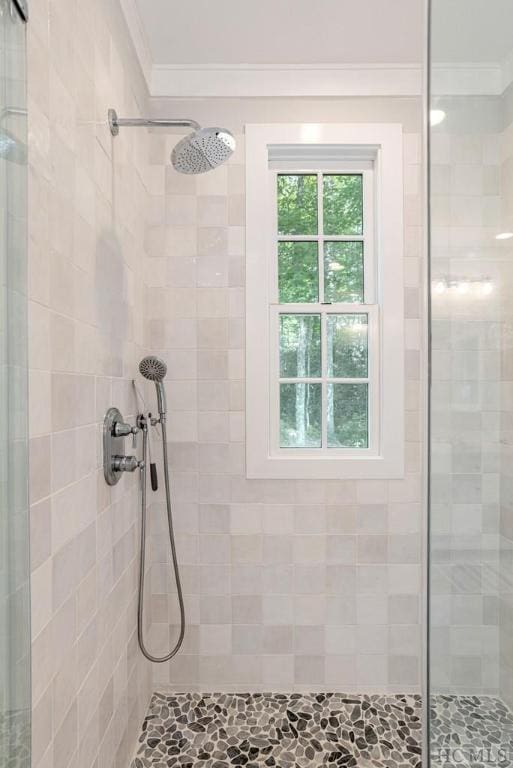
282,31
318,47
472,31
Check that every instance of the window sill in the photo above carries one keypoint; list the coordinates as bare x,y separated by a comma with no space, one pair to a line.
323,468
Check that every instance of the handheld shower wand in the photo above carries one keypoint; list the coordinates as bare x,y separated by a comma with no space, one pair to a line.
154,369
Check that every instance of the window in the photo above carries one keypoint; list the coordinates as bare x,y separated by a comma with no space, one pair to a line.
324,373
325,319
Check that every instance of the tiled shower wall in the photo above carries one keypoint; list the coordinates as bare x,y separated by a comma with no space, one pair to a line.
506,511
289,585
470,334
87,209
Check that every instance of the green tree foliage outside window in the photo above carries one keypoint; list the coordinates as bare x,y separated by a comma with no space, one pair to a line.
347,346
300,346
297,204
343,204
298,274
348,416
300,415
343,271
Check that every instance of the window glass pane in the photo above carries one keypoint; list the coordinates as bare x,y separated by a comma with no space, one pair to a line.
300,346
298,278
347,346
348,416
343,204
297,204
343,271
300,415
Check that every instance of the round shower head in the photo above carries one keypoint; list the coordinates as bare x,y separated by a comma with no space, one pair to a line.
12,148
152,368
203,150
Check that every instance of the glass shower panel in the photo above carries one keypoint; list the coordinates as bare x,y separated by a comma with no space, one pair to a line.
14,552
471,397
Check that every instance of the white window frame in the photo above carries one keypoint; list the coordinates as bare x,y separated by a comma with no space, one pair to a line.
375,150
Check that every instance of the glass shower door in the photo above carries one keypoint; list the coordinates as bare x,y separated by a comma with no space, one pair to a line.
14,534
471,396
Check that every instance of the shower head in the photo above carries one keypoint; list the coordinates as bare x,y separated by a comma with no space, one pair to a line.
200,151
203,150
154,369
12,148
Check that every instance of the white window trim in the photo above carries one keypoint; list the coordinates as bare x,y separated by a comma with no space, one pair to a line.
382,144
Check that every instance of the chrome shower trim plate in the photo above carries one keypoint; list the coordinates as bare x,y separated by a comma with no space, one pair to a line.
113,122
115,462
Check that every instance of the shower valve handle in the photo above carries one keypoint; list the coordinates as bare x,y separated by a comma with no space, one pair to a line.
122,429
126,463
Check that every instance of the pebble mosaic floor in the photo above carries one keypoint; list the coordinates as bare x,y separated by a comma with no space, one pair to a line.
471,731
282,730
15,738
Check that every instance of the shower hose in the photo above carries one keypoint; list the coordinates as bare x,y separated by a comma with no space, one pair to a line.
142,564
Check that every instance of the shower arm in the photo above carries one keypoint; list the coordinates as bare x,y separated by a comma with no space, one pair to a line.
115,123
12,111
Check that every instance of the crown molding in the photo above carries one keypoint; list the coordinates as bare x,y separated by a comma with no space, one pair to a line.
214,80
507,72
467,79
136,29
325,80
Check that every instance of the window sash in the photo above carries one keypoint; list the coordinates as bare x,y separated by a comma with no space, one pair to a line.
324,309
372,379
367,237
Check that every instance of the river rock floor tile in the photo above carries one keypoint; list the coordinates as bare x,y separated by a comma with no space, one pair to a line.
283,730
15,738
470,731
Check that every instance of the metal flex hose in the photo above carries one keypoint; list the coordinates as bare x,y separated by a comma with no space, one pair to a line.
142,564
